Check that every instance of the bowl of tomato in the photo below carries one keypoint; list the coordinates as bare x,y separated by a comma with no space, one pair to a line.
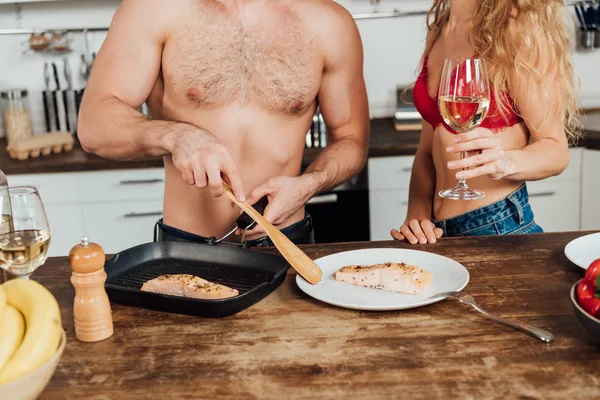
585,296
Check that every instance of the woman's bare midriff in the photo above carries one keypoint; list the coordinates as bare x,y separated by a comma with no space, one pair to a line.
511,138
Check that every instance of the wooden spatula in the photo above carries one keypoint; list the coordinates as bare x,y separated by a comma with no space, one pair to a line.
296,257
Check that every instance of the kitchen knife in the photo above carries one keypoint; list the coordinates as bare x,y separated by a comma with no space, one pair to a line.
67,72
70,99
55,74
49,97
60,105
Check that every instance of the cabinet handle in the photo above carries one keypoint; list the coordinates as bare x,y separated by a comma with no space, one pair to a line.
324,199
404,203
405,169
141,215
141,181
542,194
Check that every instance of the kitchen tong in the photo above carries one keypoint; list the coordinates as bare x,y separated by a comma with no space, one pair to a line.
245,222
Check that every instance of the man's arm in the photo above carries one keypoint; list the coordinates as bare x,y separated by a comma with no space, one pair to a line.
124,74
344,105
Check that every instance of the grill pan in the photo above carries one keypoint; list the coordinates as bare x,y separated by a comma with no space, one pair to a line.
255,275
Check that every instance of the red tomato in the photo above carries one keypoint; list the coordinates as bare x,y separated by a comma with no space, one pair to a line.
592,272
586,298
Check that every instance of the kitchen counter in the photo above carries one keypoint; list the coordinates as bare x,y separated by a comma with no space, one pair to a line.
385,141
291,346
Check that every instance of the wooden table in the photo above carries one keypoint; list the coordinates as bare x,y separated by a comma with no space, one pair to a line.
291,346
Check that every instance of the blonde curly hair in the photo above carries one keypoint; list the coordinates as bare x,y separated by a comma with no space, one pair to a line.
504,52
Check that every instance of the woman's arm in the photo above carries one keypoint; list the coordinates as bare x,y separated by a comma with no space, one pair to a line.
417,227
540,102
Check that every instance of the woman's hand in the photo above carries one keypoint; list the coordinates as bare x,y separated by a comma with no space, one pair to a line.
485,155
417,231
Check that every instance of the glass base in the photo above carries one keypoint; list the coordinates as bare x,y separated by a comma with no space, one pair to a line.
461,192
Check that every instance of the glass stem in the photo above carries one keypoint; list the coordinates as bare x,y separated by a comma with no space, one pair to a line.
462,182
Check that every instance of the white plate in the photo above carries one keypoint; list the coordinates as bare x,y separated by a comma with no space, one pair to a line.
583,250
448,275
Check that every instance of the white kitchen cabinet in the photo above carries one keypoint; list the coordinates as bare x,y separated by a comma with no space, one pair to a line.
122,185
116,209
66,227
556,201
389,212
119,226
389,179
556,206
590,214
59,188
388,173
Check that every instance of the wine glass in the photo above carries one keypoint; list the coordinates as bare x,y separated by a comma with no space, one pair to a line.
464,100
25,248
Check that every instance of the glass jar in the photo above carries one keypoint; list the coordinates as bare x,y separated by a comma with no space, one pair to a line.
15,110
6,222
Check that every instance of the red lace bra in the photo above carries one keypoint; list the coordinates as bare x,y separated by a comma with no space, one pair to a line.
429,109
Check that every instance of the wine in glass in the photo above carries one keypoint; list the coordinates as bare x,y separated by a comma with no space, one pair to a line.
25,248
464,100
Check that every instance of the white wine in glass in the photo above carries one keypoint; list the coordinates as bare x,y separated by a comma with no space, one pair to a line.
464,101
25,249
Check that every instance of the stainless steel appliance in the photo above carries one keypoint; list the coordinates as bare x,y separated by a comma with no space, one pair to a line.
406,116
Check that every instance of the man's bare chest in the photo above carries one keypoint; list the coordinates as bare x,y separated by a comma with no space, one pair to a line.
218,61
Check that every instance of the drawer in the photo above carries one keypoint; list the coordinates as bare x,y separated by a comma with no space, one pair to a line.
387,210
119,226
556,209
573,171
123,185
66,227
388,173
59,188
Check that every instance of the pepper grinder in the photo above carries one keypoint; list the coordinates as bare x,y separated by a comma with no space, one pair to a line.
91,308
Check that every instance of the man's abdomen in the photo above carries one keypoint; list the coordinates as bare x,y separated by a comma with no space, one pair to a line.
262,146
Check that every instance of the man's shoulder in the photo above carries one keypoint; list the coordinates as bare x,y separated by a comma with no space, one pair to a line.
331,16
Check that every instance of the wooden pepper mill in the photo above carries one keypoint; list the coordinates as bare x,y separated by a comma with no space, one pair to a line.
91,308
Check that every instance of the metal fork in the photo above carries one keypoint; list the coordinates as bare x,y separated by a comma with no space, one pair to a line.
528,329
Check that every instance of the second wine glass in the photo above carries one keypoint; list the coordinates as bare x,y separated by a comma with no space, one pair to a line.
464,100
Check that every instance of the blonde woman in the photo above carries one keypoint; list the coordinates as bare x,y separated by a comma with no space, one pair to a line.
532,116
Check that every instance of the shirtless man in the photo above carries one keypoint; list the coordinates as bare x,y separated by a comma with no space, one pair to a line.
232,86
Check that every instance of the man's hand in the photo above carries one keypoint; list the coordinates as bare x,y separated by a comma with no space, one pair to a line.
286,196
417,231
489,158
203,161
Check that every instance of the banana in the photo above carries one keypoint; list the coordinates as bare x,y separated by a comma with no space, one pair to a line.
2,301
12,329
43,327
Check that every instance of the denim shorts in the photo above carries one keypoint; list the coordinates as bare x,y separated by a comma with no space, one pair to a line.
509,216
